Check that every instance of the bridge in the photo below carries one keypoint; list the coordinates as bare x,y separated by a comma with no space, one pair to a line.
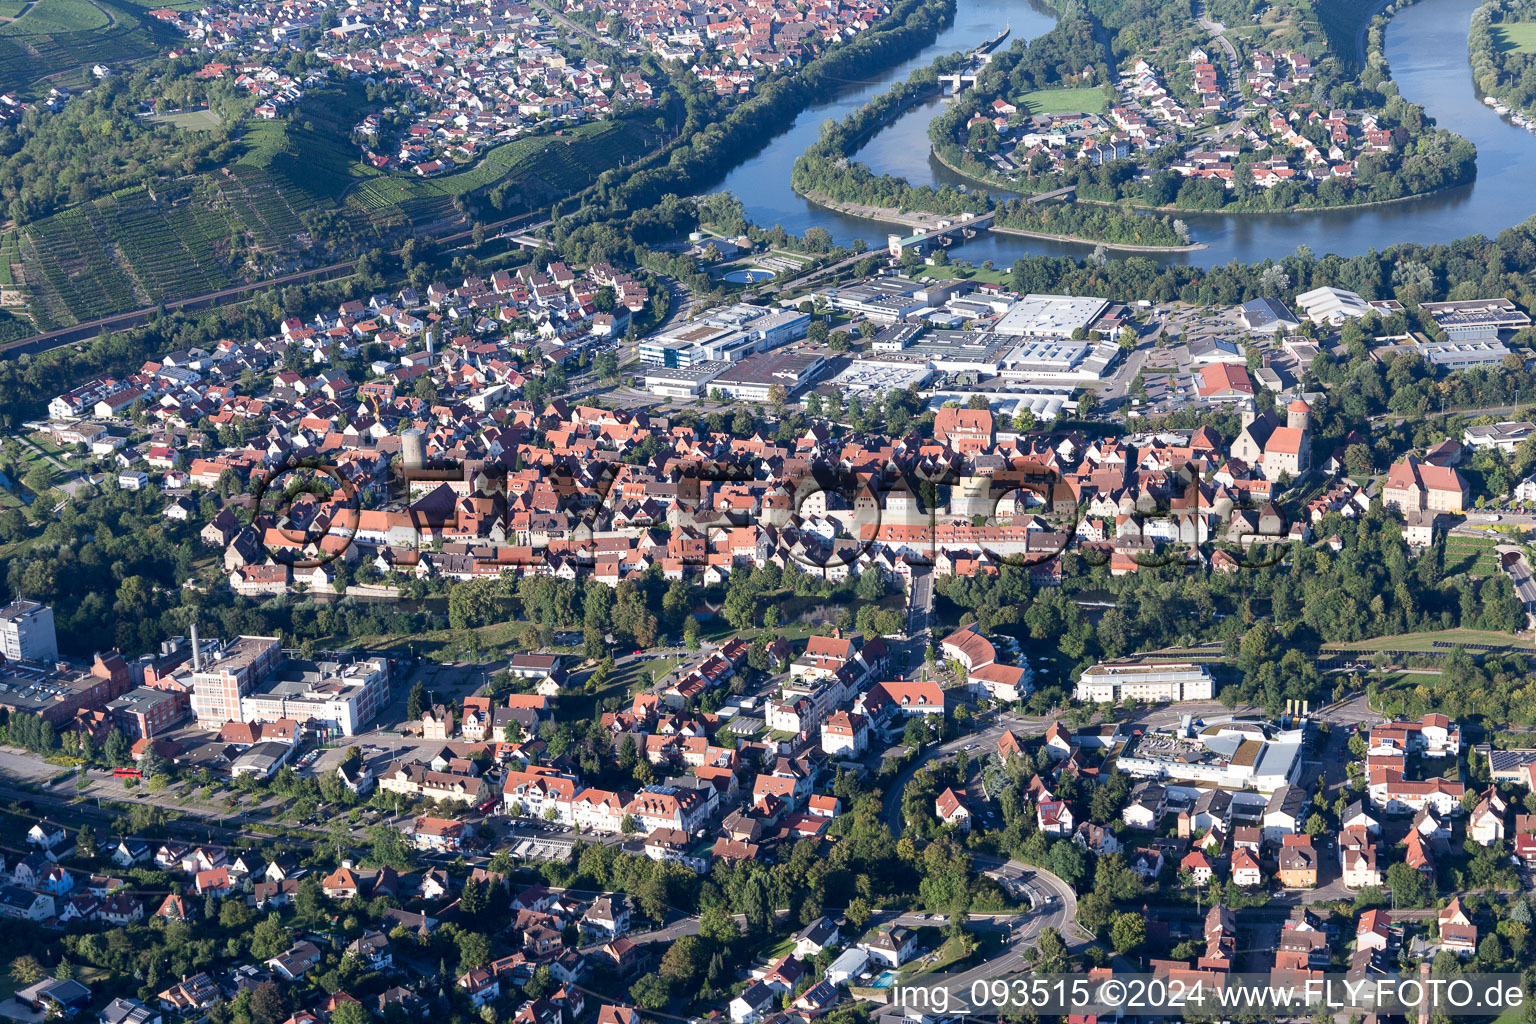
925,238
958,81
1059,193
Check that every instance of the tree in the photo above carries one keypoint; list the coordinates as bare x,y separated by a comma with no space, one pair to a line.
268,938
650,992
717,926
684,960
85,842
27,970
1127,933
416,702
350,1012
389,849
1407,885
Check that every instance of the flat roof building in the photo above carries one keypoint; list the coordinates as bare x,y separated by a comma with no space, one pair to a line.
1476,319
27,634
1149,681
683,381
1054,315
1461,353
753,378
864,376
731,333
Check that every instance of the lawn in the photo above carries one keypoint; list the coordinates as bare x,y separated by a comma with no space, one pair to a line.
1062,101
47,17
1426,641
196,120
965,272
1517,36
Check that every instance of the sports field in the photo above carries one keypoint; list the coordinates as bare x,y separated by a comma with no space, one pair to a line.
196,120
1062,101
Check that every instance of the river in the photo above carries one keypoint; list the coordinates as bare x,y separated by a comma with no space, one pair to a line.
1426,48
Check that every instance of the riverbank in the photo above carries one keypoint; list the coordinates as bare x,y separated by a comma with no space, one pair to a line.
930,222
1180,211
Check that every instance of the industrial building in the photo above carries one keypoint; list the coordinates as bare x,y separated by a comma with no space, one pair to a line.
1050,315
732,333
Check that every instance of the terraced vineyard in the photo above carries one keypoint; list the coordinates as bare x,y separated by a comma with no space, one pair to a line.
61,39
72,276
263,205
10,253
1473,555
192,236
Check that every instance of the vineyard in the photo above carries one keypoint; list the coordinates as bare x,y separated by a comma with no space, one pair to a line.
62,39
1473,555
544,168
277,207
71,275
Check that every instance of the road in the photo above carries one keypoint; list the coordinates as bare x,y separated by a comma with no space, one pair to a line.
1234,70
571,26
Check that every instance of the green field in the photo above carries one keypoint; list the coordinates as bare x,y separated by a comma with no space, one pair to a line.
1516,37
1062,101
47,17
965,272
196,120
1426,641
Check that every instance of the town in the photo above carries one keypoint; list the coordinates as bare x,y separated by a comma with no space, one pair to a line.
748,641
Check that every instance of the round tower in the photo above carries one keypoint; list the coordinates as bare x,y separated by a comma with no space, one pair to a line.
413,448
1298,415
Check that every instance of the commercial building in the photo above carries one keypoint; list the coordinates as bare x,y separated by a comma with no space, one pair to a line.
1056,359
1506,436
1476,319
1461,354
1267,315
1331,305
26,633
686,381
1050,315
1232,755
886,299
336,697
1146,681
145,712
732,333
752,379
866,376
222,674
56,695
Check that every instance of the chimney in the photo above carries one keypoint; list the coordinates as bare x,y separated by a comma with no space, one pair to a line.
197,655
